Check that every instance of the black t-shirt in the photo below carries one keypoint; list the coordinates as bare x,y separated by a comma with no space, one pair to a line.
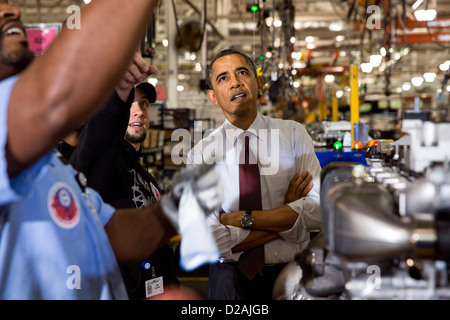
132,185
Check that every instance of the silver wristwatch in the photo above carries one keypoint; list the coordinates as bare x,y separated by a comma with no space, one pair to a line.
247,220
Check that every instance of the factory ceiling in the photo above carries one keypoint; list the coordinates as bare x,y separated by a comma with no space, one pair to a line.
301,40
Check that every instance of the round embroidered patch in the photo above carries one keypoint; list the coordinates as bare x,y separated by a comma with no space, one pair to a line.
155,192
63,206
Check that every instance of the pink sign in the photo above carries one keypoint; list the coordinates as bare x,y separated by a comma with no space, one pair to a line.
161,92
41,35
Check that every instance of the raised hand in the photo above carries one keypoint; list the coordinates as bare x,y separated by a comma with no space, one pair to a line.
138,70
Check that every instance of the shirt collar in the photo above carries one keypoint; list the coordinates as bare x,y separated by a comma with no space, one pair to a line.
254,129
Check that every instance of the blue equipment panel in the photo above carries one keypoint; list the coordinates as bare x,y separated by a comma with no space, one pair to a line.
326,156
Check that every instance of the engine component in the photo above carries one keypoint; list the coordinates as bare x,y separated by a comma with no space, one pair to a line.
386,226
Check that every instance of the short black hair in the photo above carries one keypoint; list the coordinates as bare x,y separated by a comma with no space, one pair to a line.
223,53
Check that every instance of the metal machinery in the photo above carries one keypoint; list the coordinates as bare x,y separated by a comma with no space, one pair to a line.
386,226
330,131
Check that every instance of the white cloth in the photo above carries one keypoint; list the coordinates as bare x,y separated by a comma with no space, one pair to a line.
284,148
198,246
196,194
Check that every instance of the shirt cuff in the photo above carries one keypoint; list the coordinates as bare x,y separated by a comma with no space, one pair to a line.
227,237
309,219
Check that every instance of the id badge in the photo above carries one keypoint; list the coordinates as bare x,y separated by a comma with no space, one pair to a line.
153,287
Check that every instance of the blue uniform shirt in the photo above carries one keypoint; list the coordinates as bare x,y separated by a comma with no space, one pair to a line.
52,239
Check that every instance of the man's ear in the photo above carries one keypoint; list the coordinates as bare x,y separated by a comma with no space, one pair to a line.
260,82
212,97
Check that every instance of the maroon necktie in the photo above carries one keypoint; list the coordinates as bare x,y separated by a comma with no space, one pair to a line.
252,260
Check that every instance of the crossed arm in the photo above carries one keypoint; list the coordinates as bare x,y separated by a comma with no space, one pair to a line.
268,223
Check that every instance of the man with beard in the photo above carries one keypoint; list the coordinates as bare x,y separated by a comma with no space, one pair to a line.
58,239
112,166
272,203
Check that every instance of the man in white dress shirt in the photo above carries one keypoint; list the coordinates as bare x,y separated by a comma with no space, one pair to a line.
289,178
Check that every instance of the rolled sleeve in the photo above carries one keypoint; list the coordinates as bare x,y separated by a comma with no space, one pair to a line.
308,208
309,214
227,237
7,194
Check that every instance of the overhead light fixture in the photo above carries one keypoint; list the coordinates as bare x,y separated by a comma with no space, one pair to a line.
277,42
429,76
425,15
366,67
406,86
336,26
405,51
278,23
417,81
329,78
298,65
296,55
375,60
152,81
444,66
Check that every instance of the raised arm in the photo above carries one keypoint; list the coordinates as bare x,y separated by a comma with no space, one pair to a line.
101,139
70,82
